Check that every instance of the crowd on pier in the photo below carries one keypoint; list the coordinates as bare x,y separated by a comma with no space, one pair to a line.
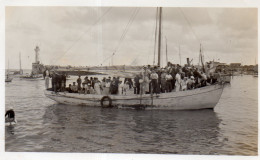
152,80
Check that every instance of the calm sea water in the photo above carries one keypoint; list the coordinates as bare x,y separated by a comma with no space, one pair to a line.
44,126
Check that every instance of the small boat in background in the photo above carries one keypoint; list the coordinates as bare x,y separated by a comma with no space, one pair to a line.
8,78
31,76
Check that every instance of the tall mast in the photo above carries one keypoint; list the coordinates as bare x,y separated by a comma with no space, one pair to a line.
180,53
201,58
20,62
8,68
166,51
155,35
159,38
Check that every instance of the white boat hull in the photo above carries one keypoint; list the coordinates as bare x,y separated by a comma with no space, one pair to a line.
201,98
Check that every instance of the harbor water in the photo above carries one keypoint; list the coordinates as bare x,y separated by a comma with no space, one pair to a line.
45,126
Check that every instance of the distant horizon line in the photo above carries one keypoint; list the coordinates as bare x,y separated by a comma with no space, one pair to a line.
104,66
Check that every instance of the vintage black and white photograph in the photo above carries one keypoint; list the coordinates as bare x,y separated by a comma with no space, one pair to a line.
138,80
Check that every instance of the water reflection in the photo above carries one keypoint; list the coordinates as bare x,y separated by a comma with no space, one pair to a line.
9,129
131,131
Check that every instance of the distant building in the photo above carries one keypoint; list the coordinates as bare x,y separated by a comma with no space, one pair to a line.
234,65
256,68
248,68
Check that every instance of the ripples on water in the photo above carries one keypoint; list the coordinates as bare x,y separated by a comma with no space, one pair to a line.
44,126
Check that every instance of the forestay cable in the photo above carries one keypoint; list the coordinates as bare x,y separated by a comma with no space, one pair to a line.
135,12
87,30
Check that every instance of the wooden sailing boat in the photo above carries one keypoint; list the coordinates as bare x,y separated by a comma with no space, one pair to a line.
8,78
201,98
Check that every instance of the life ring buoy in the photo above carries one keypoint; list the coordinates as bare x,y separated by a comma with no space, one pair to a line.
105,99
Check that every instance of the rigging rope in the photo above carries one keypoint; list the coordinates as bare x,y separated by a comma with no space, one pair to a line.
127,28
150,47
135,12
190,25
87,30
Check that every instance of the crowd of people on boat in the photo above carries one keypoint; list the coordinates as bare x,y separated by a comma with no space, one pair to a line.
152,80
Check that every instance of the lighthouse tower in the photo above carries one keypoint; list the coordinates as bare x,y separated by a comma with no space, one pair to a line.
37,50
36,66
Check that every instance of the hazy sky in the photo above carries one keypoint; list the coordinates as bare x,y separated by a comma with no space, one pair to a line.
78,36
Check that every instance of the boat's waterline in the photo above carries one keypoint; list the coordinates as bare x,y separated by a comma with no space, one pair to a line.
201,98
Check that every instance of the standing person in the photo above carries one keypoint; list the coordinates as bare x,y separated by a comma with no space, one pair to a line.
146,83
113,86
63,82
117,84
44,74
47,79
97,86
163,81
178,81
54,82
154,79
92,82
120,88
58,81
137,84
79,83
168,82
158,71
65,79
86,80
173,73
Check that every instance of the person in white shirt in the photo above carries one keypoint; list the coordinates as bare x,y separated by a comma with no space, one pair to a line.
154,78
184,84
121,88
97,86
178,81
169,82
47,79
190,83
